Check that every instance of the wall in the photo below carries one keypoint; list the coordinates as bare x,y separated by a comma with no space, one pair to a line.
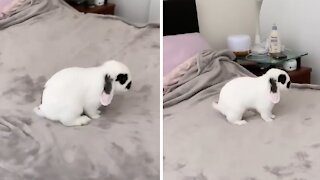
299,26
138,11
154,11
220,18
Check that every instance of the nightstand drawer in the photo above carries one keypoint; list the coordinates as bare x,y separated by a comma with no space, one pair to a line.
104,9
301,75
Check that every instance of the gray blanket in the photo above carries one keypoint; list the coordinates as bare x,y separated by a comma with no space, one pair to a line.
123,144
199,144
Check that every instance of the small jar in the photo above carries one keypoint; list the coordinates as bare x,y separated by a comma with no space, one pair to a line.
99,2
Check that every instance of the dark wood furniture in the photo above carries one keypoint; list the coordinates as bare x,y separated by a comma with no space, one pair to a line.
301,75
104,9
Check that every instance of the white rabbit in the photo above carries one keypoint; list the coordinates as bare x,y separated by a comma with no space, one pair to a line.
73,95
260,93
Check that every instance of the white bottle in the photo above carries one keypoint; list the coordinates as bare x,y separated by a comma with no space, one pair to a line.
274,41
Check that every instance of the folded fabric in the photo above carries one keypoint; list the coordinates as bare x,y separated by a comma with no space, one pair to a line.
11,7
174,76
3,4
212,69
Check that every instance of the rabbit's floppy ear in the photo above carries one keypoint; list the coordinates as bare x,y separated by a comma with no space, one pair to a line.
108,90
274,91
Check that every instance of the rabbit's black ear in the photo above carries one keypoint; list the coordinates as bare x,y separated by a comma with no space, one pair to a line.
273,85
288,84
129,85
274,91
282,78
122,78
107,84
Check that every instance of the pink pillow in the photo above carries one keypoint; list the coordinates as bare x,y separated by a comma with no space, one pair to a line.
174,76
3,4
179,48
10,7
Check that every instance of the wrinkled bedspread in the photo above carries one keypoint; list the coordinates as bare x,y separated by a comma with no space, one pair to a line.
123,144
199,144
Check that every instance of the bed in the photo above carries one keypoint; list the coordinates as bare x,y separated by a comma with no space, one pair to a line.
199,144
123,144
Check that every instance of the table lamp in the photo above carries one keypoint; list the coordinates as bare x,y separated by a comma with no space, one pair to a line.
258,47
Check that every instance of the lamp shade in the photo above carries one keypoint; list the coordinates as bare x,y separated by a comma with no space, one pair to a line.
239,43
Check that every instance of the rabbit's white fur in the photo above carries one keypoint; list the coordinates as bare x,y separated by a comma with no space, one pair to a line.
72,95
243,93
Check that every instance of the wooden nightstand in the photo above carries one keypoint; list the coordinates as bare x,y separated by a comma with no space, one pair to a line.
104,9
301,75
